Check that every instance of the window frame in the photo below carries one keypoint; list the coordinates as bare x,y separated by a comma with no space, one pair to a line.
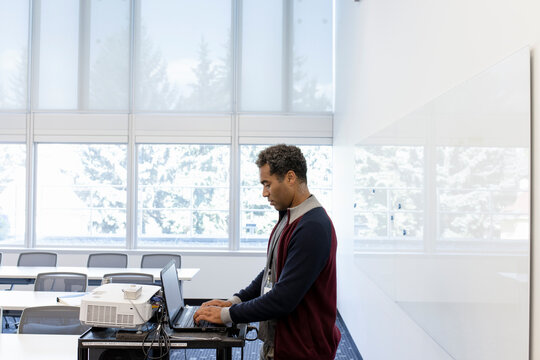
132,127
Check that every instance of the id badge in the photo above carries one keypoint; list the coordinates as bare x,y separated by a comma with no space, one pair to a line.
267,288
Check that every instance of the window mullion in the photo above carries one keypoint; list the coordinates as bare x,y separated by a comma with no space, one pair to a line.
84,55
234,179
33,57
287,68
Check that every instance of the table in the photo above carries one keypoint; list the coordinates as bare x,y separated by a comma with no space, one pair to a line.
19,300
40,347
27,274
105,339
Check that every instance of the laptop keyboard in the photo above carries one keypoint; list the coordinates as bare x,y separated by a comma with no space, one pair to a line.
188,322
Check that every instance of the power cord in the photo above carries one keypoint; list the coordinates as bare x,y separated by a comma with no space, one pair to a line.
160,338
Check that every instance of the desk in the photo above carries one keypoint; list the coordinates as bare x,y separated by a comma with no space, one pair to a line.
27,274
41,347
19,300
103,339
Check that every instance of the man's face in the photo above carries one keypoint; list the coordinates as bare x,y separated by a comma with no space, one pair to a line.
279,193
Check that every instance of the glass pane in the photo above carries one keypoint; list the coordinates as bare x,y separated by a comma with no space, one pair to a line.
511,227
464,226
464,200
389,179
510,201
483,193
407,225
58,54
407,199
81,195
389,166
13,54
109,55
12,193
183,59
482,167
371,199
262,55
183,195
256,226
312,56
257,218
370,225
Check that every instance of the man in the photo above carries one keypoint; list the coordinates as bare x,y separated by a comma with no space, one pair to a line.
294,297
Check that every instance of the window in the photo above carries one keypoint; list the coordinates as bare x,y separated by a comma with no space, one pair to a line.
183,195
262,48
286,63
133,112
13,54
475,196
389,197
81,195
58,55
12,193
183,56
257,218
312,56
483,195
83,54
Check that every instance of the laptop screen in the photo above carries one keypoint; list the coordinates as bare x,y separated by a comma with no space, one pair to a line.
171,290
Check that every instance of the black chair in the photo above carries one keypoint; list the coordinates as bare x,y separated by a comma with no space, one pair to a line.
128,278
160,260
61,281
53,319
107,260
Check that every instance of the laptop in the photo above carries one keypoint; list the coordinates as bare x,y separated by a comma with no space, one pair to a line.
181,316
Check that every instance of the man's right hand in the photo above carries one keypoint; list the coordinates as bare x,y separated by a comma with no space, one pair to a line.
217,302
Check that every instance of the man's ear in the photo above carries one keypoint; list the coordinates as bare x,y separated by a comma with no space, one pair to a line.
290,176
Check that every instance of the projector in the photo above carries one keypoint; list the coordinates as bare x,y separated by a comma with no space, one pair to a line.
123,306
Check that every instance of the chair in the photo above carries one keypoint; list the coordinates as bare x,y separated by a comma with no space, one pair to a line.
160,260
61,281
107,260
54,319
128,278
37,259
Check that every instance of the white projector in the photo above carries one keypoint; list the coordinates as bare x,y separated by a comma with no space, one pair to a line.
118,305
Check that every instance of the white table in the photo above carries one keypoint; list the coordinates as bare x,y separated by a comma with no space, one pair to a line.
27,274
20,299
40,347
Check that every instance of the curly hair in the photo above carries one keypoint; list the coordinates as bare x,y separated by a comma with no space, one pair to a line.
281,158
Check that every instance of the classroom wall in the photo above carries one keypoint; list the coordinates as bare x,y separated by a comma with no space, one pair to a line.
392,57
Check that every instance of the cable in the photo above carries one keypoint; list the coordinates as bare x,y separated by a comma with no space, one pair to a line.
249,328
160,335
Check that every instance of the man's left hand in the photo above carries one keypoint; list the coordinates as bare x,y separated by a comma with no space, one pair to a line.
208,313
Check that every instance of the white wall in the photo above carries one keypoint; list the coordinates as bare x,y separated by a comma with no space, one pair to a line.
393,56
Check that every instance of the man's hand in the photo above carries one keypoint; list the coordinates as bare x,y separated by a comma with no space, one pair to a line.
208,313
217,302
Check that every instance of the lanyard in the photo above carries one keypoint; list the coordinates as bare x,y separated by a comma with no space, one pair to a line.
274,244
